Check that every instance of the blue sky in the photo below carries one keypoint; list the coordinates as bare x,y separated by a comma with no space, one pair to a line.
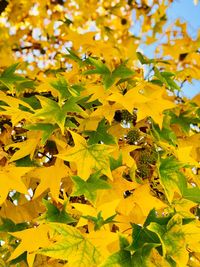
186,11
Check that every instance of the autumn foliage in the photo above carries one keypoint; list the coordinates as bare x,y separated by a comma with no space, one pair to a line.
99,149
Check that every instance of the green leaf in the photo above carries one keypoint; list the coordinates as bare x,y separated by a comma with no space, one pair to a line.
100,135
53,113
53,214
73,247
115,163
26,162
169,176
65,90
141,236
8,78
122,72
172,239
108,80
165,78
75,57
153,217
167,74
192,194
89,188
122,258
100,67
165,134
184,120
9,226
32,101
142,256
62,87
46,128
143,59
99,220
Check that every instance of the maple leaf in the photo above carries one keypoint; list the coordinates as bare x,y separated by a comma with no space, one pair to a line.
8,78
107,111
23,212
46,128
40,239
72,246
170,176
121,258
103,240
131,99
141,197
88,157
154,108
172,238
100,135
15,108
108,76
119,184
89,187
53,214
64,90
99,220
25,148
50,177
50,107
10,179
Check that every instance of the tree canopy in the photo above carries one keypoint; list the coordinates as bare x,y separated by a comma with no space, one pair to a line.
99,157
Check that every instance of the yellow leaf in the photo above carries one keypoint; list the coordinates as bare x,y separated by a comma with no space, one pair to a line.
192,235
127,158
104,241
26,147
50,177
10,179
145,200
184,155
31,240
72,246
107,110
22,212
13,109
120,184
154,107
88,158
131,99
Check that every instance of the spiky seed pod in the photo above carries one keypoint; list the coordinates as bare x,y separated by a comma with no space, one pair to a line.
143,171
149,156
133,136
128,117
